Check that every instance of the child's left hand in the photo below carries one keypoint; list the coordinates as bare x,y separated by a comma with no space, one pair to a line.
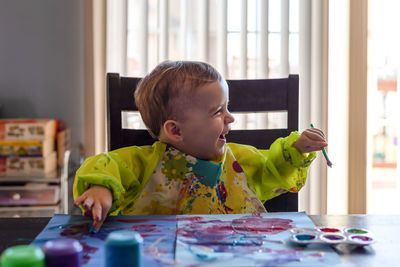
311,140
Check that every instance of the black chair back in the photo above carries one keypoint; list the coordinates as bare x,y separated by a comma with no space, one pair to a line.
261,95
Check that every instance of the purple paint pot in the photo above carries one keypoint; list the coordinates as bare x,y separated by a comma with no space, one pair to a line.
123,248
62,252
333,238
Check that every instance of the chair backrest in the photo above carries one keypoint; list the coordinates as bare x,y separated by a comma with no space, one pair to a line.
244,96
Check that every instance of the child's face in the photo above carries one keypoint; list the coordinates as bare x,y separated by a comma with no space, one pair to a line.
207,122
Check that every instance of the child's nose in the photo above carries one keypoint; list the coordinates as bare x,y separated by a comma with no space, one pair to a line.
229,118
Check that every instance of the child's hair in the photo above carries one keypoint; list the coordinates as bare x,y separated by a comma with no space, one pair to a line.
160,94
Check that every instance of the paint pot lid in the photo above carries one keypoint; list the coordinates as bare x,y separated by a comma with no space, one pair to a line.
62,247
22,256
124,238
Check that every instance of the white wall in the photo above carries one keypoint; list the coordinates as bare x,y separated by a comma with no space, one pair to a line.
41,61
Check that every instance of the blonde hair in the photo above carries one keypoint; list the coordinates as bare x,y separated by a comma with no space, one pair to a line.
158,94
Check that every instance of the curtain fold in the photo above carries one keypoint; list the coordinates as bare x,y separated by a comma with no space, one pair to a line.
94,16
313,97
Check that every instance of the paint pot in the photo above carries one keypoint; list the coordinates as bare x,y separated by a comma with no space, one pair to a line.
358,231
362,239
22,256
329,230
304,237
63,253
123,248
332,238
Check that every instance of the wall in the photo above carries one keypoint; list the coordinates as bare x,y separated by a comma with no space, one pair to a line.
41,61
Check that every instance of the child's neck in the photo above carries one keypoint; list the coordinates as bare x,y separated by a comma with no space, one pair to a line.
188,153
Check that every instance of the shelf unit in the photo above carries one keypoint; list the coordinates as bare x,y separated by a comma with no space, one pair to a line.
30,196
61,179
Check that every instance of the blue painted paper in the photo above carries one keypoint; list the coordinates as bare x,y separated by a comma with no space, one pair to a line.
158,232
195,240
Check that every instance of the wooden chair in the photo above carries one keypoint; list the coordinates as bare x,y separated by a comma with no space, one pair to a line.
244,96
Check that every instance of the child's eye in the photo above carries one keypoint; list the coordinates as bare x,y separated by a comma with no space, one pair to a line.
218,111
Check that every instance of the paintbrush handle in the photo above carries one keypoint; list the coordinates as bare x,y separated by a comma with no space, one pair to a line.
325,154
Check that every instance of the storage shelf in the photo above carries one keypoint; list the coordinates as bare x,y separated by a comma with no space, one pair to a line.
53,177
19,179
20,187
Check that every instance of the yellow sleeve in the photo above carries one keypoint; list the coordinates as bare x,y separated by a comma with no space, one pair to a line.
124,171
280,169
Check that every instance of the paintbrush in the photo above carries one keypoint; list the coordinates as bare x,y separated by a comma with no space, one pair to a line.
328,162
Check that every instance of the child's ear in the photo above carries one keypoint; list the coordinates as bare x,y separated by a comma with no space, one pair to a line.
172,130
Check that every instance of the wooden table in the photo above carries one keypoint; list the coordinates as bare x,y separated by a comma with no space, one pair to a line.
385,252
386,229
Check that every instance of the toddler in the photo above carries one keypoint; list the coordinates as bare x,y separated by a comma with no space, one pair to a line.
191,169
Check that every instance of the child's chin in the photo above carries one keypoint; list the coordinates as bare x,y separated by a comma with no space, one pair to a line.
220,153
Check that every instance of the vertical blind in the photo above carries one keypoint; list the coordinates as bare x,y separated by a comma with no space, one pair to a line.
241,38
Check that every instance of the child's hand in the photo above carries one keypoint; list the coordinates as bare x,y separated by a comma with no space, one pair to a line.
97,201
310,140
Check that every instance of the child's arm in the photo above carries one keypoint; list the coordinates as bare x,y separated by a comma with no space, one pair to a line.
101,182
117,175
288,160
283,167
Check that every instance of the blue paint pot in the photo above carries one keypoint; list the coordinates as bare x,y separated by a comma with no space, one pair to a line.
305,237
123,248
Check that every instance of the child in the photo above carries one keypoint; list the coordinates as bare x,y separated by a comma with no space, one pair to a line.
191,169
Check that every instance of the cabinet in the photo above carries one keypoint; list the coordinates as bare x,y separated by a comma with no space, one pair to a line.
32,196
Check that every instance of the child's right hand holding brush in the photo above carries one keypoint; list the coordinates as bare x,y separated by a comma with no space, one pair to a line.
311,140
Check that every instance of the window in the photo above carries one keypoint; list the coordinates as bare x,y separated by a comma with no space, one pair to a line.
194,31
383,109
